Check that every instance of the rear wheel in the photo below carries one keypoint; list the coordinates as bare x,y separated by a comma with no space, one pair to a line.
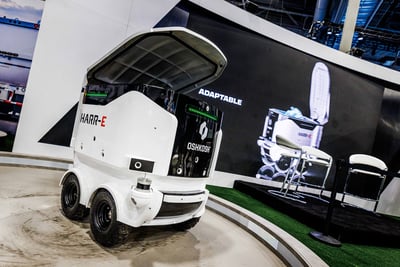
186,225
70,196
103,221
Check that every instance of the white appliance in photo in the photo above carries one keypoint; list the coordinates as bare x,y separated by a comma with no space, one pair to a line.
294,126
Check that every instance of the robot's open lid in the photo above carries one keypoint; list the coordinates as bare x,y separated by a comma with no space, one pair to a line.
172,58
320,94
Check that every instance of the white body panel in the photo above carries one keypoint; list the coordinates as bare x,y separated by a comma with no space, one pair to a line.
139,128
121,184
320,95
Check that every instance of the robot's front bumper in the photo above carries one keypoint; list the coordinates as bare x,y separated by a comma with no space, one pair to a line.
168,207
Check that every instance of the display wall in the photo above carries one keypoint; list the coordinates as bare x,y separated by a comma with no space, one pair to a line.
387,138
19,27
263,74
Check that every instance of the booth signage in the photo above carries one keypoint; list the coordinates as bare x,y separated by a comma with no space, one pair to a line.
222,97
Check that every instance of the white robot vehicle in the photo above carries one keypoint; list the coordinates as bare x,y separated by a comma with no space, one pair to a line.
293,126
143,150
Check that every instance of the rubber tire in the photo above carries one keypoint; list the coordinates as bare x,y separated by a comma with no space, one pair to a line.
105,228
70,196
186,225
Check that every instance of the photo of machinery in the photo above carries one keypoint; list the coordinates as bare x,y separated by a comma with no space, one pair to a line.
19,27
295,127
11,98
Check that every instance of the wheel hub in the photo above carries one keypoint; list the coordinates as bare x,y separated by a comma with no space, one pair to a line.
71,196
104,216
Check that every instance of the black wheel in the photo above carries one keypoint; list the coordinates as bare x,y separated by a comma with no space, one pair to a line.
283,163
186,225
103,221
70,195
265,172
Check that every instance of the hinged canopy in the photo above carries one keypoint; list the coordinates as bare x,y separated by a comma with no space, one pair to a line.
173,58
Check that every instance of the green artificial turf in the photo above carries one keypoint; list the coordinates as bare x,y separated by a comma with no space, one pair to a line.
346,255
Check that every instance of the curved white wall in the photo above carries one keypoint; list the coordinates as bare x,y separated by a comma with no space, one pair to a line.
74,34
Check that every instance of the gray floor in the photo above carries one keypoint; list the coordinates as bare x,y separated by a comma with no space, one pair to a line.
33,232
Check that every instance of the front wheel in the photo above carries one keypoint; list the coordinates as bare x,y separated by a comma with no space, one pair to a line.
70,195
186,225
103,221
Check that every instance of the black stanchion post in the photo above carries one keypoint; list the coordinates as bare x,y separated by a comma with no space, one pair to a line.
325,237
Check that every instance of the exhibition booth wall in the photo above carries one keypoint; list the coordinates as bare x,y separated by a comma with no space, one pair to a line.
73,36
270,72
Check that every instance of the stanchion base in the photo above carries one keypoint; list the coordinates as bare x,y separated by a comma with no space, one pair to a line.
325,239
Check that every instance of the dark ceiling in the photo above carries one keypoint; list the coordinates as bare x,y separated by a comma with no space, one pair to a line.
377,34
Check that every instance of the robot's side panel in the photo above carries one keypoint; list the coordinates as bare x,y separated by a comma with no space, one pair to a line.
129,127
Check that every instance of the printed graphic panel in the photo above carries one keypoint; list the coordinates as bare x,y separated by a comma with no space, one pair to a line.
19,26
310,101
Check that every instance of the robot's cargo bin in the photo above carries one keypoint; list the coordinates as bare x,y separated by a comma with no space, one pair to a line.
136,93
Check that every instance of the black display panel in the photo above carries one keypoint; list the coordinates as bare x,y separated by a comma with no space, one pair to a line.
262,75
195,141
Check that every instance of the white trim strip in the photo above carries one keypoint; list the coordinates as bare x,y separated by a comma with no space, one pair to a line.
15,159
